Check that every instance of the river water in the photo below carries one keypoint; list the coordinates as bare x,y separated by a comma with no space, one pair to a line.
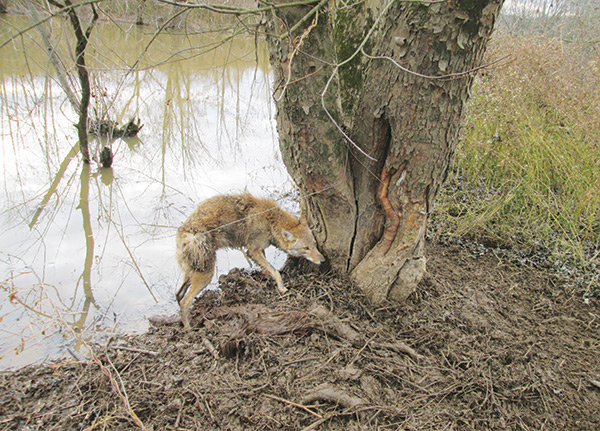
85,251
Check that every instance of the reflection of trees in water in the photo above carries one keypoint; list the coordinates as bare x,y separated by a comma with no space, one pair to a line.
178,118
44,307
82,313
53,186
189,149
86,276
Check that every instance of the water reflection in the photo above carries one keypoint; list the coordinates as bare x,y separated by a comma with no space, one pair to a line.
86,276
94,247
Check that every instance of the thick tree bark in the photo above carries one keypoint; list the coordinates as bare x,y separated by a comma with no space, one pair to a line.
395,78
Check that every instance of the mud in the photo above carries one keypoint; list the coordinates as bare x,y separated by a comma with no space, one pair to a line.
483,344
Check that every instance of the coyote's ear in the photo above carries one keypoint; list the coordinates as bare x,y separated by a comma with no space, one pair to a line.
288,235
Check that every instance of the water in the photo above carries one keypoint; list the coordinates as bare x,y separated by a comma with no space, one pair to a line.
91,250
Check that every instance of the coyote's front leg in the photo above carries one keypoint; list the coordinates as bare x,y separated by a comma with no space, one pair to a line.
258,256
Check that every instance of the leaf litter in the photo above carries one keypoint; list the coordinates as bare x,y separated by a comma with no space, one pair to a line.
482,344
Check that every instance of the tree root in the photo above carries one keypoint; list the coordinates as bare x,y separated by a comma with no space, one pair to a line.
333,325
264,320
330,393
399,347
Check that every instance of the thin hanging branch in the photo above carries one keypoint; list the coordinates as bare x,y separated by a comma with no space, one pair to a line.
61,72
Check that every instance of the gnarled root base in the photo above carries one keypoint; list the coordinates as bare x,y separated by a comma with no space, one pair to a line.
408,278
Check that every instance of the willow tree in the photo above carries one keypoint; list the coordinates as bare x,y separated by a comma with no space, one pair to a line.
370,96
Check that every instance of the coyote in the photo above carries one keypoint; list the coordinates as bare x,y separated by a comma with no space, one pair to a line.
241,222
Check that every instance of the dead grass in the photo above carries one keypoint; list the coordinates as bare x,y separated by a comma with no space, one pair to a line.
527,173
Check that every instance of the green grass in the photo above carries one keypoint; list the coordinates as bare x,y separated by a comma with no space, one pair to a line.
526,173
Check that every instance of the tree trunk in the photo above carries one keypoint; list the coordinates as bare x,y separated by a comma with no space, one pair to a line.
84,79
394,78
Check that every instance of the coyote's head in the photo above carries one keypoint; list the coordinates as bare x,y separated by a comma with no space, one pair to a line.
300,242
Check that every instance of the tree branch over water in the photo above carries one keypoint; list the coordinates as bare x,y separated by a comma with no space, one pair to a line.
234,10
48,18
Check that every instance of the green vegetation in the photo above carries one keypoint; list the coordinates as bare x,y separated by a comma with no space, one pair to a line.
526,174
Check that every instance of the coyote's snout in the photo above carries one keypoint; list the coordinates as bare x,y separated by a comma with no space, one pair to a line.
242,222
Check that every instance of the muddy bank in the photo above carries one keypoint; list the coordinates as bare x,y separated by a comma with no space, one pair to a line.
483,345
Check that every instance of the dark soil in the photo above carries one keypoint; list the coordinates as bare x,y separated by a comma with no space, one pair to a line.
483,344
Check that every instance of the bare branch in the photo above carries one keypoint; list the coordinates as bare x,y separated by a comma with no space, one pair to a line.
447,76
303,19
233,10
49,17
296,46
61,73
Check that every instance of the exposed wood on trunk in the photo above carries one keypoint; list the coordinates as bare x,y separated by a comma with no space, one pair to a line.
389,232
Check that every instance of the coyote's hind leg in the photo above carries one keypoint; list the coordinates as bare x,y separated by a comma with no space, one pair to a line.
193,283
183,289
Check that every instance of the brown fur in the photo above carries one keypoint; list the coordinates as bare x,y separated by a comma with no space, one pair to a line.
241,222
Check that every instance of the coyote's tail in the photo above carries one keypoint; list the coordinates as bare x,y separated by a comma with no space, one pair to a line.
196,252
